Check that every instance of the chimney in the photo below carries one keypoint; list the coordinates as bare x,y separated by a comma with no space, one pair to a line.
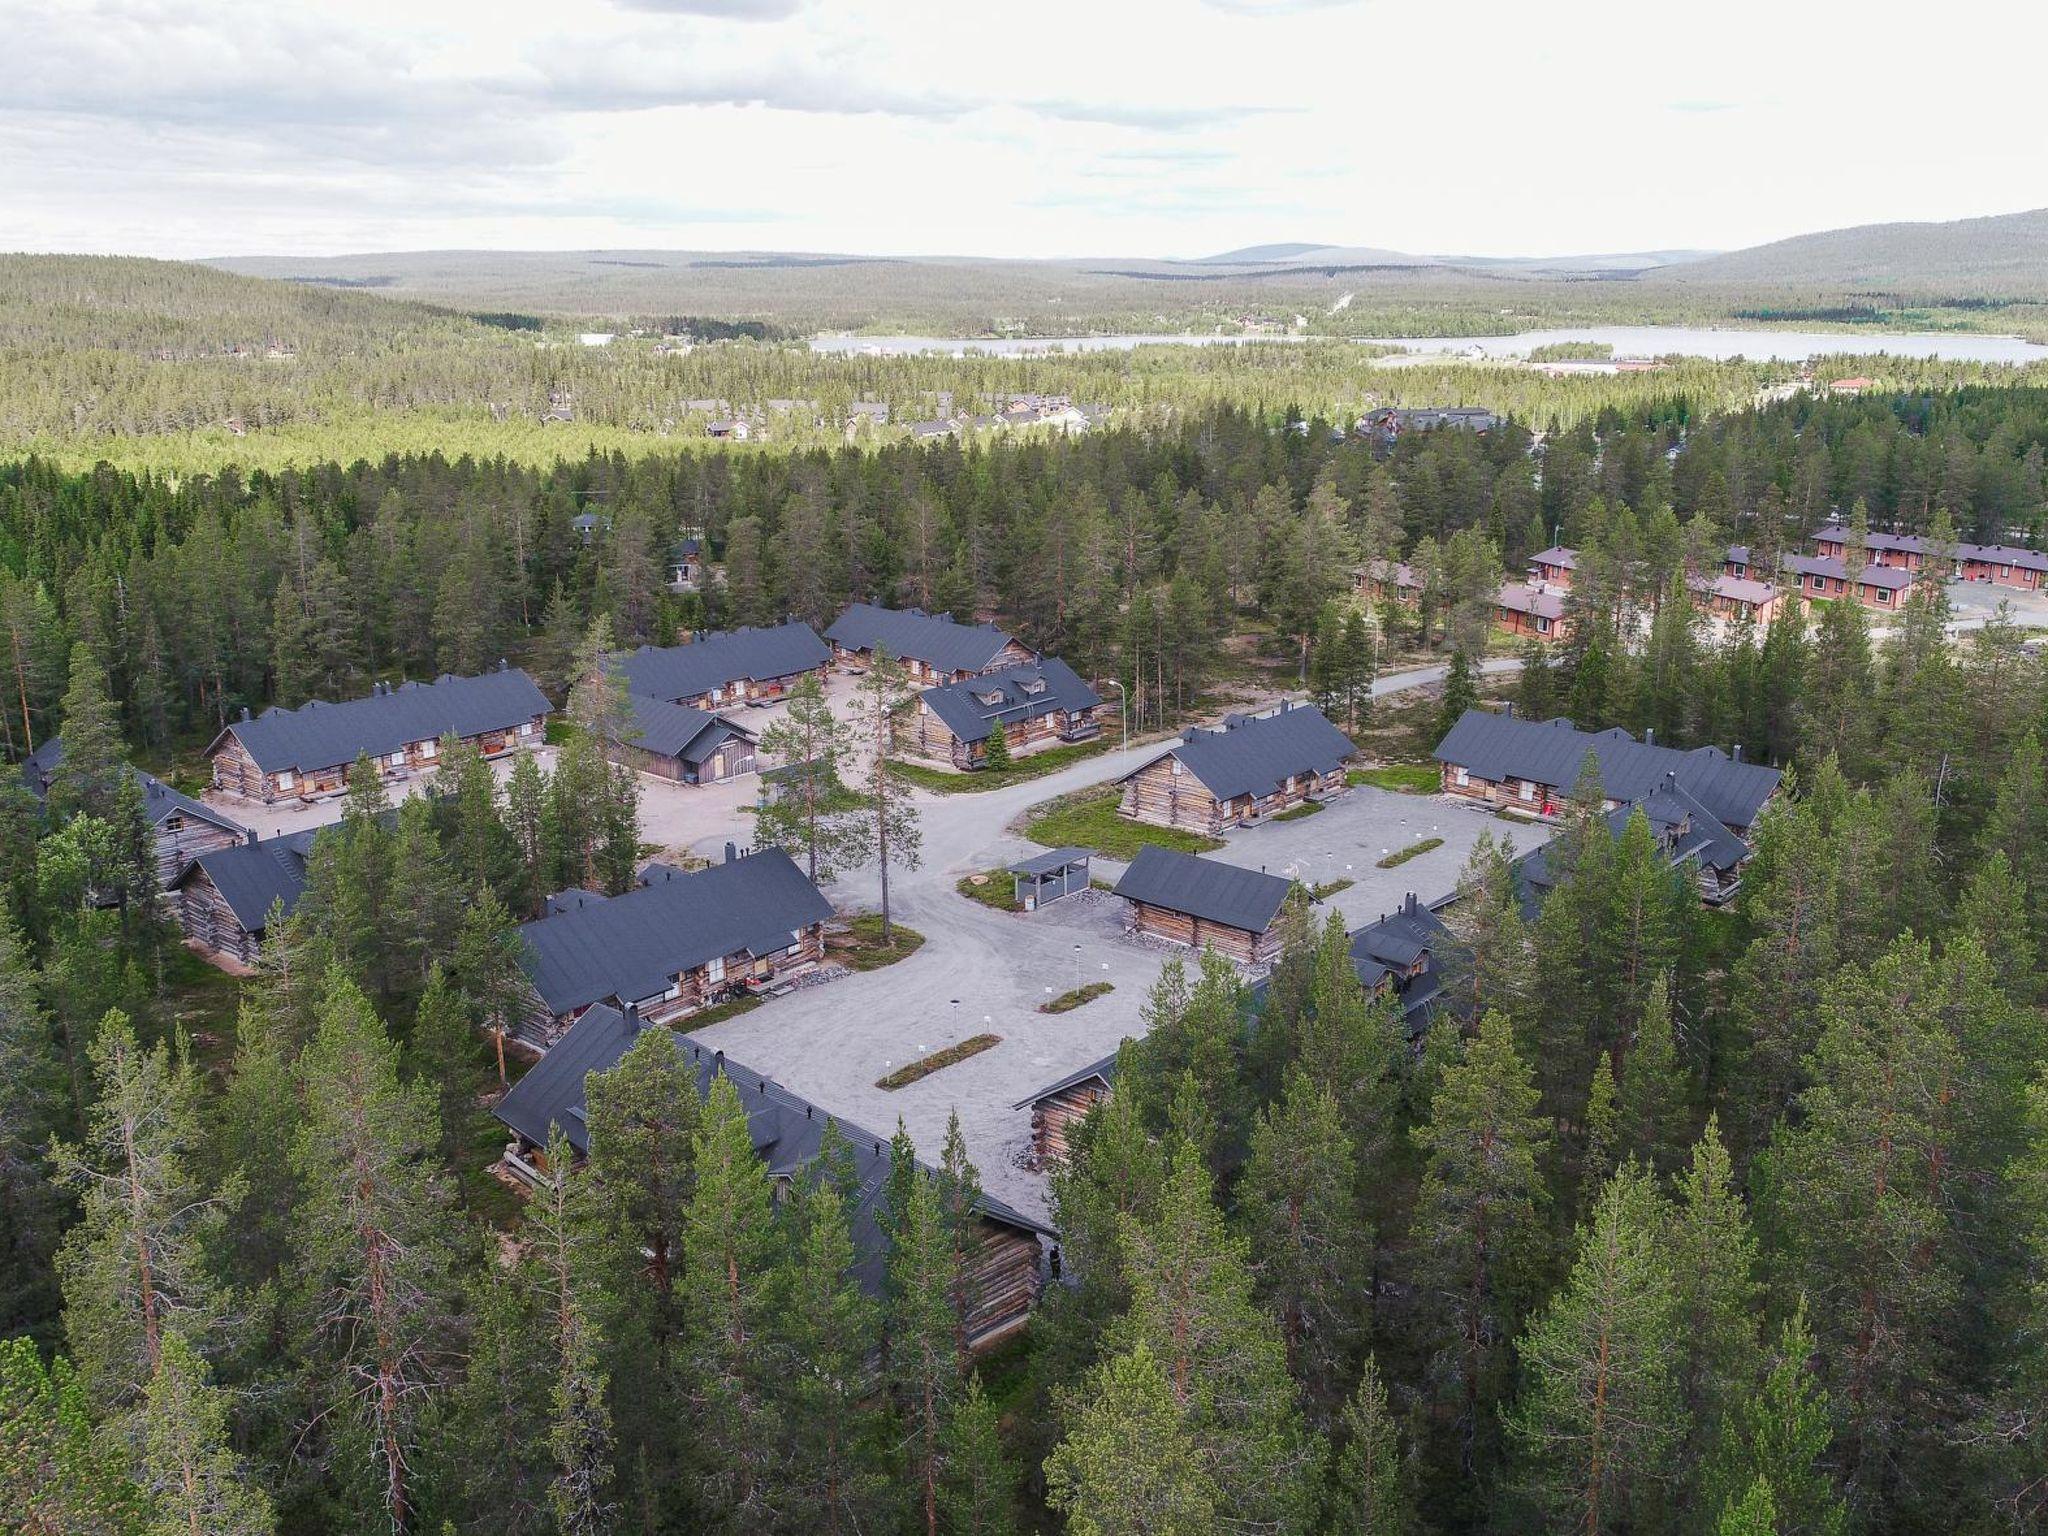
245,711
632,1018
1738,751
1511,709
731,853
1649,736
249,836
504,665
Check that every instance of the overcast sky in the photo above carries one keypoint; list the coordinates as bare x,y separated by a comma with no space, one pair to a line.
1035,127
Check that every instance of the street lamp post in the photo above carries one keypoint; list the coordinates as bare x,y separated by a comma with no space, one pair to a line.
1123,708
1077,967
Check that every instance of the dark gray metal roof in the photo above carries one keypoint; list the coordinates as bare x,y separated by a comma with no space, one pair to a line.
1502,747
1026,691
160,802
1392,944
1218,893
787,1130
252,876
1256,754
1046,863
322,735
932,638
676,730
1104,1071
730,656
630,946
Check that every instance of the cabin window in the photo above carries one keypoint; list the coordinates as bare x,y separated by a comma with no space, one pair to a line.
1528,790
286,780
672,991
1542,625
430,749
1883,596
526,727
1176,767
714,971
396,759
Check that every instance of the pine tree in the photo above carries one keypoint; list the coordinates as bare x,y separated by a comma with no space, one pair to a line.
1352,1046
481,852
137,1263
525,820
31,1110
810,809
442,1052
1779,1435
1460,693
959,1193
1192,1307
94,766
1599,1417
890,833
977,1495
485,967
58,1475
1299,1205
198,1482
1129,1465
1753,1513
730,1252
1494,961
1605,1141
2019,1437
1477,1229
643,1116
375,1251
1369,1492
1576,1012
580,1428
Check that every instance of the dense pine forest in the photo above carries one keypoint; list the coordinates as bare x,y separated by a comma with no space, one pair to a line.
1677,1221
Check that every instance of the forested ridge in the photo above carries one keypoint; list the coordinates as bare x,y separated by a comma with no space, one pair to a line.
1681,1221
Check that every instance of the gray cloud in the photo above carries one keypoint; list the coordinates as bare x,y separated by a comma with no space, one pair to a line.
1162,118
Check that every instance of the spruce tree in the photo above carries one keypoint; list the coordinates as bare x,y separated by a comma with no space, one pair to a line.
89,776
32,1109
730,1252
959,1193
1460,694
1713,1258
1493,961
375,1245
526,821
977,1495
1478,1230
58,1475
923,1346
1598,1419
1779,1435
485,967
1653,1102
580,1422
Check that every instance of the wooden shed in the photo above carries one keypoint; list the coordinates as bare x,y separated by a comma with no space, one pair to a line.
1049,876
1205,904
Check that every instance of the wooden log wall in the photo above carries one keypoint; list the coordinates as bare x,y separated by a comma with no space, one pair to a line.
1053,1116
210,923
1002,1280
1156,794
181,839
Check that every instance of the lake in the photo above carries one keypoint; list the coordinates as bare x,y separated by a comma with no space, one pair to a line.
1627,341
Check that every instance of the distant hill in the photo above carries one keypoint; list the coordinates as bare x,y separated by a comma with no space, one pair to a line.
2005,253
1298,253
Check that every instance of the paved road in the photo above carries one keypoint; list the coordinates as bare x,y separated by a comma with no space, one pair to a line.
986,971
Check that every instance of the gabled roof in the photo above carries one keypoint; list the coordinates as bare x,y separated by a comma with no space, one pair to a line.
160,802
754,655
932,638
323,735
786,1130
1888,577
1557,555
1048,863
630,946
1502,747
251,876
1532,597
1025,691
676,730
1103,1071
1392,944
1218,893
1739,589
1256,754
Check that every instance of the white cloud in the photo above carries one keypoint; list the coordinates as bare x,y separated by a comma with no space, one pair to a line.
186,127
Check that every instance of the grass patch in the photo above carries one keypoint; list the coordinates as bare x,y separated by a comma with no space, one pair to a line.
862,948
925,1066
1412,851
1088,819
1331,887
203,1001
1306,808
997,889
1402,778
1021,770
561,730
1067,1002
723,1011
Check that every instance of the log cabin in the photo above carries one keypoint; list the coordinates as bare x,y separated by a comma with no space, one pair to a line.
734,666
1530,767
1402,955
932,646
308,752
1037,703
681,744
1689,834
1252,767
182,828
675,943
1883,588
1058,1107
1004,1277
1205,904
226,895
686,564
